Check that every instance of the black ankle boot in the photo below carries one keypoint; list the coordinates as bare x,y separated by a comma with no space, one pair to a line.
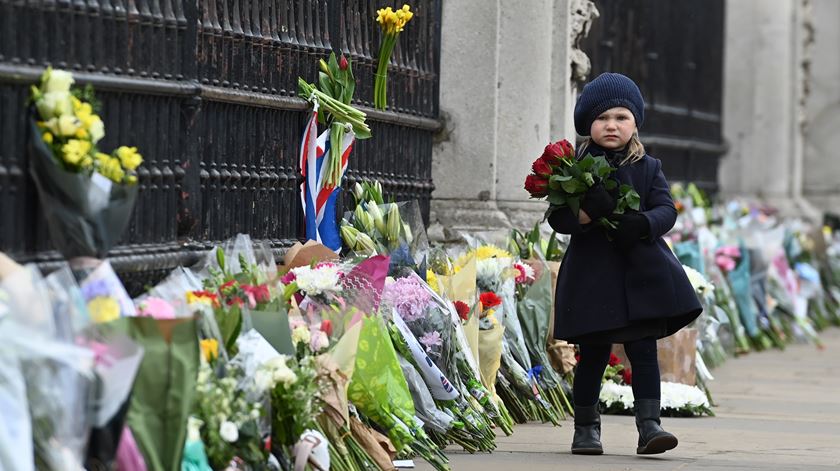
587,440
652,439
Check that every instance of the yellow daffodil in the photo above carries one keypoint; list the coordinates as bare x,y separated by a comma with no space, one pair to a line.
48,137
209,349
103,309
81,134
129,157
75,150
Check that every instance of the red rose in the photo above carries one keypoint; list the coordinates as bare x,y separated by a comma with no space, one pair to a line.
489,299
463,310
568,149
555,153
537,186
614,359
541,168
327,327
627,376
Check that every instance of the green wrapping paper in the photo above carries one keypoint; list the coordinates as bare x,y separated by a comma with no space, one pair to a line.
378,387
535,310
164,390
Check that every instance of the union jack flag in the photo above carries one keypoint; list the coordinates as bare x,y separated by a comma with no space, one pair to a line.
318,198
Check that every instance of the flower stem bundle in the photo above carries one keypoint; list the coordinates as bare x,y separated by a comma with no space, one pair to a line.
392,23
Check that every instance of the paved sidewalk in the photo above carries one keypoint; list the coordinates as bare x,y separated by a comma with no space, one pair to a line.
777,410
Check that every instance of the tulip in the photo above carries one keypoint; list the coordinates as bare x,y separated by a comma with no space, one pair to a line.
394,224
342,63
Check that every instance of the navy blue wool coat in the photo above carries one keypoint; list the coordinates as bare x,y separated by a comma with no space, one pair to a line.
609,295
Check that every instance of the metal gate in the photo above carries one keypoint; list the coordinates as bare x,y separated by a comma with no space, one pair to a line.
674,50
206,90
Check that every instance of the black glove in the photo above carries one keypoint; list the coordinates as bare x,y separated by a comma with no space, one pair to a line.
597,202
632,227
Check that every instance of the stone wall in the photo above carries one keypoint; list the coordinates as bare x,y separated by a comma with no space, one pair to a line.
506,90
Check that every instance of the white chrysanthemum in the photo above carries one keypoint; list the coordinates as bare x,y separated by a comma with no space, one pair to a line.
674,396
701,285
317,281
677,395
612,393
492,268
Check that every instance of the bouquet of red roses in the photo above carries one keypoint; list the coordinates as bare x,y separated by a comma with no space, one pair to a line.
563,180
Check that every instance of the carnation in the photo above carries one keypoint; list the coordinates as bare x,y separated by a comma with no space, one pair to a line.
409,297
315,281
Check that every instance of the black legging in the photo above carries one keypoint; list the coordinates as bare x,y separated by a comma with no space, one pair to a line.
594,359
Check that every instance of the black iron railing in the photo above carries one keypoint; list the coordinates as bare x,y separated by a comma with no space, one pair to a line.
674,51
207,91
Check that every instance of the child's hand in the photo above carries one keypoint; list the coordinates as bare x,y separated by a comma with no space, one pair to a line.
583,218
632,227
597,202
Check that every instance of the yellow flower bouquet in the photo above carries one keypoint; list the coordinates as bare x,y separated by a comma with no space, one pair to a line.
87,195
392,24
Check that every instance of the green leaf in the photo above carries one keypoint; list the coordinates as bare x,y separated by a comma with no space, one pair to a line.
634,200
557,199
610,184
587,178
361,134
553,244
573,186
560,178
603,172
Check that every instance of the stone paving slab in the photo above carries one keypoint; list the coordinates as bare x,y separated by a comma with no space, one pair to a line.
777,410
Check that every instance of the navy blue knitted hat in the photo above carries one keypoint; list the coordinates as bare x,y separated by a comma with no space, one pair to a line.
608,90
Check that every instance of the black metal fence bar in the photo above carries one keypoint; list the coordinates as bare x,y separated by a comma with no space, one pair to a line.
674,51
207,91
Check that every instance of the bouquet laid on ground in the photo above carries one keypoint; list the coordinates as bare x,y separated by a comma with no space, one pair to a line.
376,227
678,400
392,24
563,180
87,195
419,313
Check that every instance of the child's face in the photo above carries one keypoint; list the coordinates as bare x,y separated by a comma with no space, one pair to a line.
613,128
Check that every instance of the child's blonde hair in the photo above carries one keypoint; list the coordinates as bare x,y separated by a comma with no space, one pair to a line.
635,149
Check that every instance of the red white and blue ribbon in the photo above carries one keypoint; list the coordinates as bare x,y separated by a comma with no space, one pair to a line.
318,198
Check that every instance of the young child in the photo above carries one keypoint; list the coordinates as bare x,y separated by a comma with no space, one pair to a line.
625,285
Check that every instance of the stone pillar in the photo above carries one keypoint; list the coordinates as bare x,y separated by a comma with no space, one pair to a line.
506,91
524,96
763,112
821,165
464,155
